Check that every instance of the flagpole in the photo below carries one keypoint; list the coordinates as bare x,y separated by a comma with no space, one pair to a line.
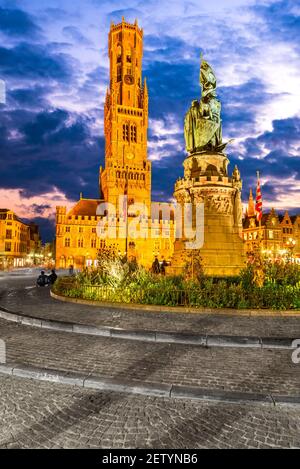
257,175
259,221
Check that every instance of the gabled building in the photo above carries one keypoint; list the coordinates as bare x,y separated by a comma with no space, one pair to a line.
17,240
276,235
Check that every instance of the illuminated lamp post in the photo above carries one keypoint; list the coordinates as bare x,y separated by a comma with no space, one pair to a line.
290,244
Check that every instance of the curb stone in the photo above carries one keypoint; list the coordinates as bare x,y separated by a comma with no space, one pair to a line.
145,388
148,335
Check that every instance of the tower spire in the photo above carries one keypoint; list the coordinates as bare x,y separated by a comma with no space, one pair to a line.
251,205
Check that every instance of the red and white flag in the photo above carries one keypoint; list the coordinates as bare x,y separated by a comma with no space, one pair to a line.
258,205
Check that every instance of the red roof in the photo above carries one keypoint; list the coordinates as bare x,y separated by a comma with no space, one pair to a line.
85,207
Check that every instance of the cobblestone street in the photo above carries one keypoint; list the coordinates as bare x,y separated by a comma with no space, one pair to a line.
43,414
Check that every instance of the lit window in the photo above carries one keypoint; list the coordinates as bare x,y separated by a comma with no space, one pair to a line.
8,247
125,132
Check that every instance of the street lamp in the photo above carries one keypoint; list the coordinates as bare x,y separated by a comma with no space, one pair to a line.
290,244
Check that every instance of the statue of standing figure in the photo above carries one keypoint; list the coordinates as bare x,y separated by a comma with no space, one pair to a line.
202,124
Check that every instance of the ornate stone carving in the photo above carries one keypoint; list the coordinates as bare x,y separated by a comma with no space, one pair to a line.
219,204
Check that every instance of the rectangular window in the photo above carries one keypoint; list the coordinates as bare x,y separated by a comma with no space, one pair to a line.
67,242
68,229
8,247
93,230
271,234
93,243
8,234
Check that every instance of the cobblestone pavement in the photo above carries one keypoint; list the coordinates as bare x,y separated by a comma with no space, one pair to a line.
44,415
19,294
232,369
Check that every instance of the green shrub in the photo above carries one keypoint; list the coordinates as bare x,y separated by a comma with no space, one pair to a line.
119,281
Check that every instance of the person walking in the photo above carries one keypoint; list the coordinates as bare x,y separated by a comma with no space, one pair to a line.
155,266
163,265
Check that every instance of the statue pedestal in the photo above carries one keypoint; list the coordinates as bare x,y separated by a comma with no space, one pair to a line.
206,181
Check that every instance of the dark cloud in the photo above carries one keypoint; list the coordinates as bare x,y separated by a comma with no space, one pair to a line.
282,19
27,61
29,98
130,14
53,148
18,23
240,106
76,35
46,227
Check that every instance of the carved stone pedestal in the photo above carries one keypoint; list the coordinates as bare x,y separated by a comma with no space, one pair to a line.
206,181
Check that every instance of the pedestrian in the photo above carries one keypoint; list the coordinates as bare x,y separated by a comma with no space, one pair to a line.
163,265
42,280
52,277
155,266
71,270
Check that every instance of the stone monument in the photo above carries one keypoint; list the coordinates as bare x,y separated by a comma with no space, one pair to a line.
206,180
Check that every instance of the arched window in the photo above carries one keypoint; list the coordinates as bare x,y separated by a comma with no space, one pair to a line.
125,133
133,133
119,73
119,53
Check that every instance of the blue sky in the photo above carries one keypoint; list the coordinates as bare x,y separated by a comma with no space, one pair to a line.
53,58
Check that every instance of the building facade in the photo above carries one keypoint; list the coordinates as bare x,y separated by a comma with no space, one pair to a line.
276,236
139,228
19,241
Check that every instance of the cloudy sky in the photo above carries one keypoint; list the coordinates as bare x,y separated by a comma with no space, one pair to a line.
53,59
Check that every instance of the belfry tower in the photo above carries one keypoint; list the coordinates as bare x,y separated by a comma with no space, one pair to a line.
127,169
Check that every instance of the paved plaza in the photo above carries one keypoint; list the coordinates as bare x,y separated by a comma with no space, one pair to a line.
46,415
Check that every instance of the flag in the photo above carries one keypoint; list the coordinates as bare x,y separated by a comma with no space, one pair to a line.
258,205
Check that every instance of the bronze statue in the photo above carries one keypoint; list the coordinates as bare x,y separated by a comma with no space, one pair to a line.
202,124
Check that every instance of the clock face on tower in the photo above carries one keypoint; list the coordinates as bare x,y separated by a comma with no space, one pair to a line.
128,79
129,155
